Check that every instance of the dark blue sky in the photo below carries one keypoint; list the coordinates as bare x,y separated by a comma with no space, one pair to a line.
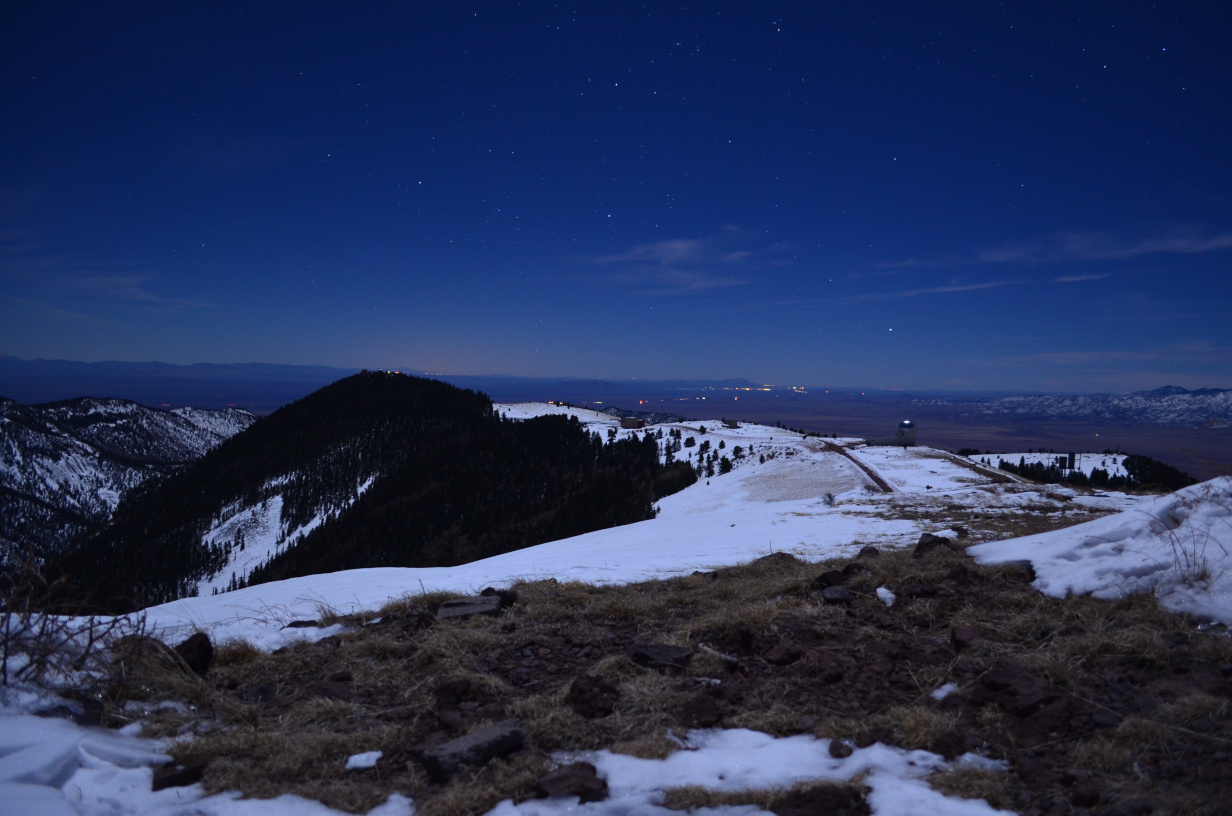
1031,196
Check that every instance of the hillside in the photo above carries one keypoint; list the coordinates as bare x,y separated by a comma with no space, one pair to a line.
64,466
779,638
376,470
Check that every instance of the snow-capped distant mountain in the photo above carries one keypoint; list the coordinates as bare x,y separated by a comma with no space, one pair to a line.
64,466
1170,405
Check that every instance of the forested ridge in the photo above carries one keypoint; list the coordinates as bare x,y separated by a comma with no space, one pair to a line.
451,482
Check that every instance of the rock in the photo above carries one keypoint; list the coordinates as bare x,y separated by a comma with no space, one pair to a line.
961,532
341,676
508,597
259,693
700,711
592,697
829,578
837,799
474,749
836,595
929,543
828,667
1011,686
466,607
660,655
172,775
783,654
451,692
963,637
738,641
854,568
579,779
868,551
303,624
451,720
840,750
197,652
950,744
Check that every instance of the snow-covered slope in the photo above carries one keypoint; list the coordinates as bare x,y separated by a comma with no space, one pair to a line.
64,466
1084,463
1178,547
808,497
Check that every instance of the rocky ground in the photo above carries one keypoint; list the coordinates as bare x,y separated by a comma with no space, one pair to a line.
1097,707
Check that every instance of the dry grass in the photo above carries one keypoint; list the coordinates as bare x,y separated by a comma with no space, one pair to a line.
286,722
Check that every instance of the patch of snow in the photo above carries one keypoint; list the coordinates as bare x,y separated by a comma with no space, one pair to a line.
886,596
364,761
944,691
739,759
1177,546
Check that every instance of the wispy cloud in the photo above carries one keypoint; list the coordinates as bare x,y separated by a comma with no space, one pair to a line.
56,279
945,289
1080,278
1071,246
683,266
1103,246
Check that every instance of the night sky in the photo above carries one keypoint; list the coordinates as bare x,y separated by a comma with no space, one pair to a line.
968,195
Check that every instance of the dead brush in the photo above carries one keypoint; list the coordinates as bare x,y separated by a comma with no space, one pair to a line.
994,787
690,798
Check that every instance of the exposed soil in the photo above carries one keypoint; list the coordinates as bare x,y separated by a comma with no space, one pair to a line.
1097,707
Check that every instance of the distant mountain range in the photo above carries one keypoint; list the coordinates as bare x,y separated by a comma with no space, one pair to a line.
1170,405
64,466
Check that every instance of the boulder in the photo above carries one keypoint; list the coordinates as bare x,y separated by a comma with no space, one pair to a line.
580,779
836,595
476,748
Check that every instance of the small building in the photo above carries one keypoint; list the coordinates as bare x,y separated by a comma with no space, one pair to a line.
731,424
632,423
904,437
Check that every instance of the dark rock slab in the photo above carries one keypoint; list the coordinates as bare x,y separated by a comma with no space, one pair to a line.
476,748
783,654
660,656
829,578
836,595
466,607
580,779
